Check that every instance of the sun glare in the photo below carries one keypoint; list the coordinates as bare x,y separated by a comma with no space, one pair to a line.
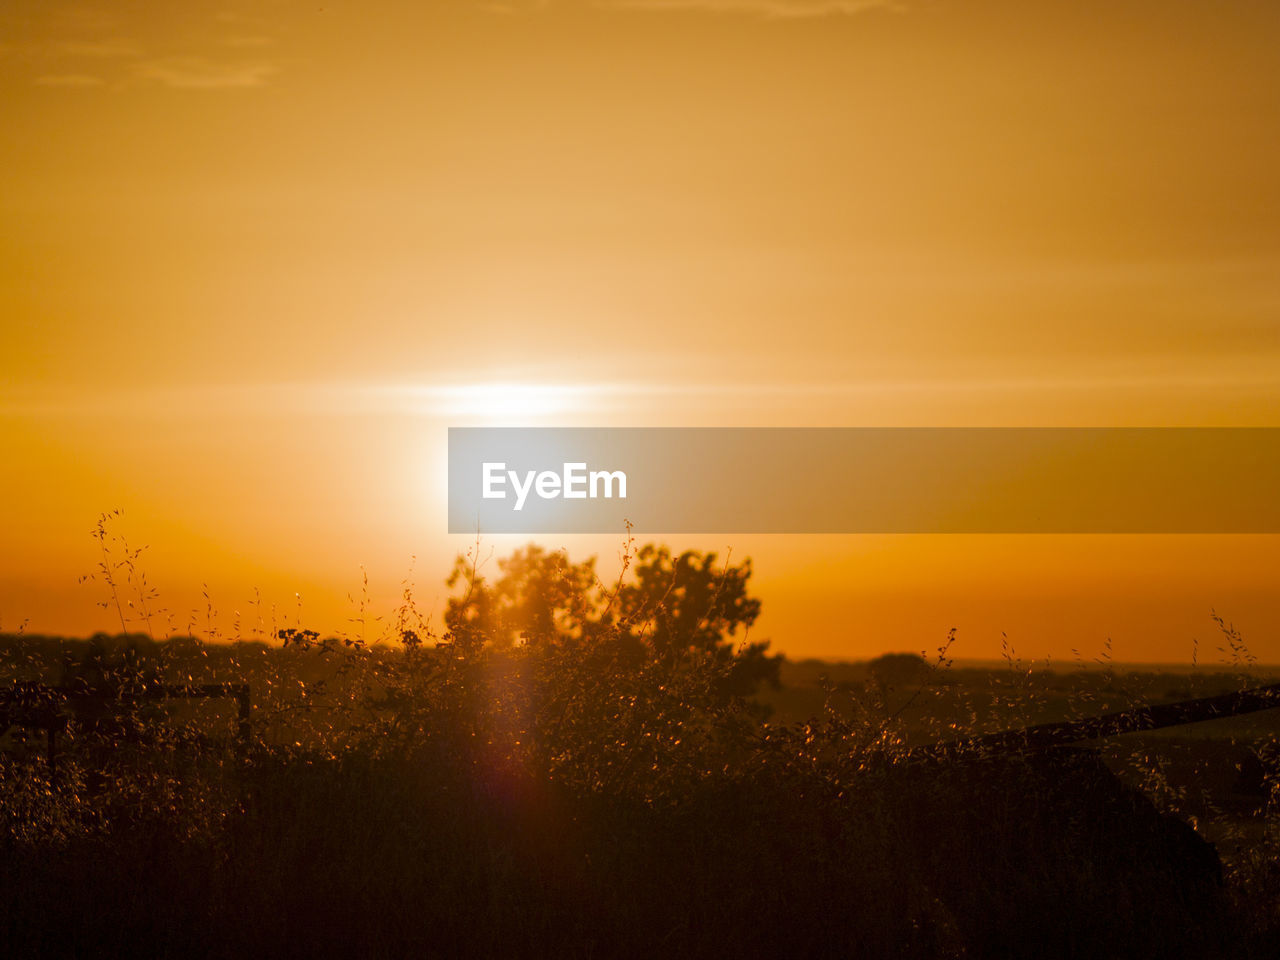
505,401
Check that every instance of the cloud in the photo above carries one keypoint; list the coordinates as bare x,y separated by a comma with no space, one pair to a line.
763,9
93,44
96,49
767,9
511,6
68,80
235,17
249,40
199,73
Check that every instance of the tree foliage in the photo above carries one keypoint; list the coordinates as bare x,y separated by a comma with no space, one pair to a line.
665,607
893,670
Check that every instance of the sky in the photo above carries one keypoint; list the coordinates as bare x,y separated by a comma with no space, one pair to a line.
255,259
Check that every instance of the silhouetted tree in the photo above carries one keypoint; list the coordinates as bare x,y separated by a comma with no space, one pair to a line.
537,596
892,670
678,604
666,607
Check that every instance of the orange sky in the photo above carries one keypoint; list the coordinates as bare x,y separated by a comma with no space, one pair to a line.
255,260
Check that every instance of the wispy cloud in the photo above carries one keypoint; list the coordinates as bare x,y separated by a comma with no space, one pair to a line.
515,399
248,40
762,9
75,45
768,9
96,49
511,6
200,73
235,17
68,80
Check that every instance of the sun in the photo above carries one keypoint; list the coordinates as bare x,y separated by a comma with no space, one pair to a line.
509,401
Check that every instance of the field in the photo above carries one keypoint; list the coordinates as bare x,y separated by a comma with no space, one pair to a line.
572,770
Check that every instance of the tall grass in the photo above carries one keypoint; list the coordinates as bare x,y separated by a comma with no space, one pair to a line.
583,792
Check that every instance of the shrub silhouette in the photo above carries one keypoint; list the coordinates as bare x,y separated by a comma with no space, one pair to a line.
666,607
575,770
896,670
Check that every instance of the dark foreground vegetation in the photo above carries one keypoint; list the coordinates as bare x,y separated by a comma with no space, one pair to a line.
572,770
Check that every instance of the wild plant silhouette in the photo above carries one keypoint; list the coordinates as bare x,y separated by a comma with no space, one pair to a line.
578,768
